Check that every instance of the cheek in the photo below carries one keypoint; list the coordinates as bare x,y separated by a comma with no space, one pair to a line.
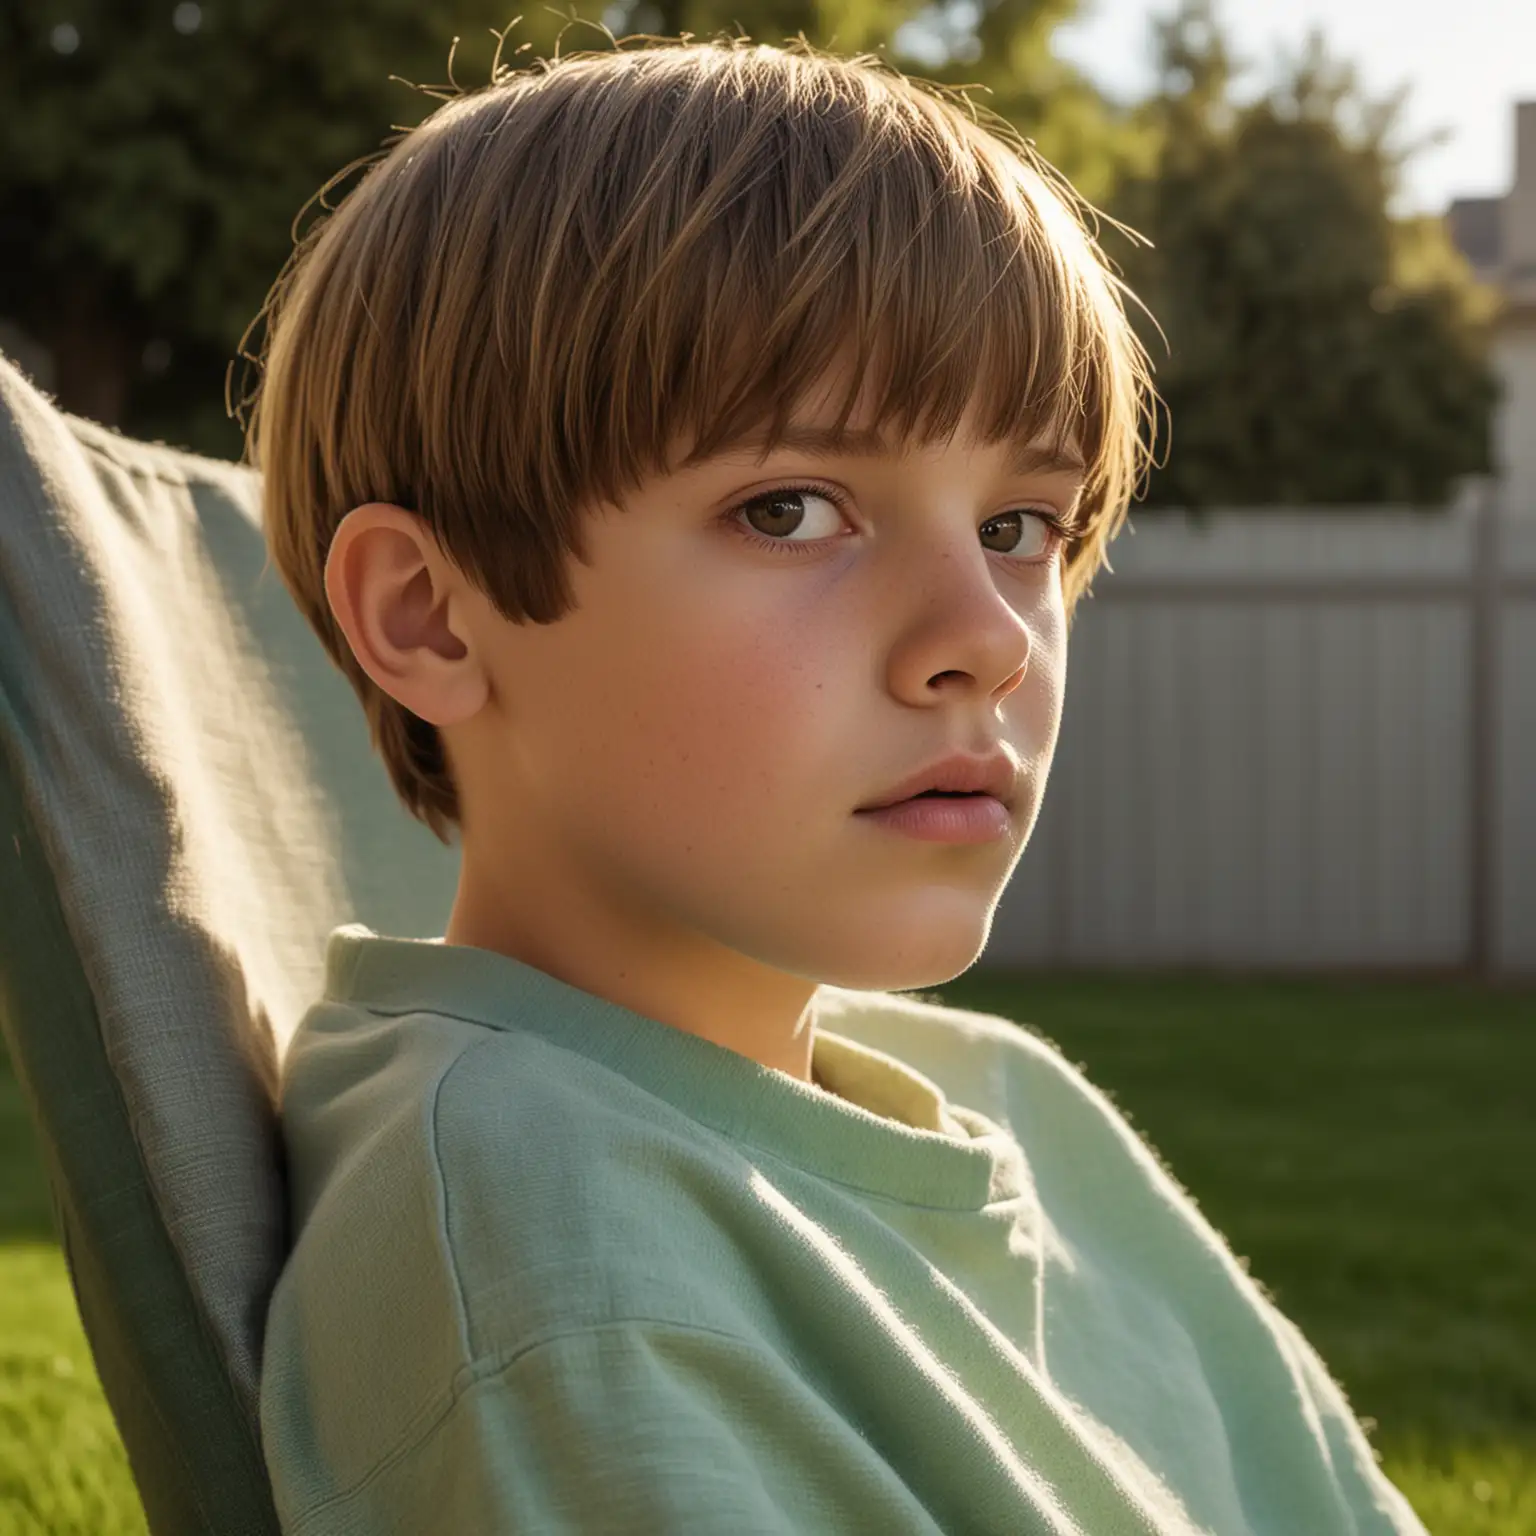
781,704
698,710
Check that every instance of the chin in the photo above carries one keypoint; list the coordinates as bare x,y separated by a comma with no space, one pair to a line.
898,967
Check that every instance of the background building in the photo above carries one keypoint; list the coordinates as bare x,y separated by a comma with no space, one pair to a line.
1498,236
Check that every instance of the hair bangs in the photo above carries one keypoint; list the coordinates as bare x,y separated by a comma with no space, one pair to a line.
904,255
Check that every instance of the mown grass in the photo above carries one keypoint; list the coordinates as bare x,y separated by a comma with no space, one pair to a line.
62,1465
1365,1146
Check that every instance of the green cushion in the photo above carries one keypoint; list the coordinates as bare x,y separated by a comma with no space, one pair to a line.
190,804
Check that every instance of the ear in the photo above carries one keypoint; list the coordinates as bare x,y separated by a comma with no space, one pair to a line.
402,605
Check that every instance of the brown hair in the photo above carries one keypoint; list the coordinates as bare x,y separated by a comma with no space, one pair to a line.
535,292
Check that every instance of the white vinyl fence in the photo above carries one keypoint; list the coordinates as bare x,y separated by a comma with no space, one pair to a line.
1294,740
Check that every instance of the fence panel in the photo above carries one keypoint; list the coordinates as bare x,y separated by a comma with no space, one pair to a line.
1294,739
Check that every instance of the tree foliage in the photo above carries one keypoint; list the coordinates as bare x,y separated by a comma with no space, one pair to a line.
153,161
154,165
1318,350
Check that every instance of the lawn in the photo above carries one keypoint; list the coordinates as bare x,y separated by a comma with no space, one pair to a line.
1367,1147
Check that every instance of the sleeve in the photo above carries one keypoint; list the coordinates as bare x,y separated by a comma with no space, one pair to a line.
629,1427
1378,1508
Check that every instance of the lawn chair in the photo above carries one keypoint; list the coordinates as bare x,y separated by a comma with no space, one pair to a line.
188,804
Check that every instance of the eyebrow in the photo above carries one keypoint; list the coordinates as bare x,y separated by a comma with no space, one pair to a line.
827,442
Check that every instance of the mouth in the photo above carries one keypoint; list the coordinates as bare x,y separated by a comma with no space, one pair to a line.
929,794
960,776
981,818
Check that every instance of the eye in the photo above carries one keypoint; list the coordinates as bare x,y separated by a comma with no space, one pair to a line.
1030,535
1033,530
784,510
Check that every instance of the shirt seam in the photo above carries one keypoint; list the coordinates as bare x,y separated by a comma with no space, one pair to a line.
474,1371
461,1304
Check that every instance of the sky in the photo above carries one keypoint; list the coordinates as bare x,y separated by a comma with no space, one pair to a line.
1467,62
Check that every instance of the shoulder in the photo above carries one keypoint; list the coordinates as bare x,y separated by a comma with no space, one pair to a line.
340,1377
574,1198
357,1094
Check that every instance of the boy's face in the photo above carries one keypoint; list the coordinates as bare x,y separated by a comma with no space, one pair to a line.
660,789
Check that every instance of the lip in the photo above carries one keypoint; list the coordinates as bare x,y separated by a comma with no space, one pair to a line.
991,773
933,819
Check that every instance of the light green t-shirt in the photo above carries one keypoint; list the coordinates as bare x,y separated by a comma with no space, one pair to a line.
563,1268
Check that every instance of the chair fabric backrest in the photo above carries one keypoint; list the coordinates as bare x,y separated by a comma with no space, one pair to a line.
190,803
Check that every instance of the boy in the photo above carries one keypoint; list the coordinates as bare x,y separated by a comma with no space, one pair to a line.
687,451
